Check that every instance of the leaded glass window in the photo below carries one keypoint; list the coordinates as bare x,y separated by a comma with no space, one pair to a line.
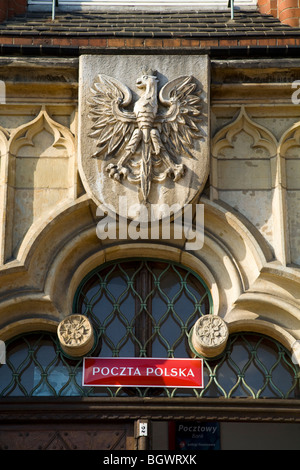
143,308
252,366
147,308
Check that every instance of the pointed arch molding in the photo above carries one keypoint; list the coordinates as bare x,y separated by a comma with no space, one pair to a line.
262,138
289,154
25,134
277,167
40,174
290,141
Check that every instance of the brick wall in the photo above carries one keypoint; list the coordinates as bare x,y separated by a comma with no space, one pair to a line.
288,11
9,8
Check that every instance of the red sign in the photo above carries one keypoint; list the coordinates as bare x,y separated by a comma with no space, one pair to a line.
142,372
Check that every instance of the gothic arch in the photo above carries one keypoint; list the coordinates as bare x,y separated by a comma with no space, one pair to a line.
40,175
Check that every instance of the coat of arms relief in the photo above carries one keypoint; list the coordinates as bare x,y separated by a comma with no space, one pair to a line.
144,129
148,143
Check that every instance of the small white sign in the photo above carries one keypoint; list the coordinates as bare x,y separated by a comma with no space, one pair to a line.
143,429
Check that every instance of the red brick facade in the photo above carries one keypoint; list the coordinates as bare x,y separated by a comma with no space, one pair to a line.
147,44
287,11
9,8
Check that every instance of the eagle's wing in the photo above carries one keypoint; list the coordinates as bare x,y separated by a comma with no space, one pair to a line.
112,125
179,126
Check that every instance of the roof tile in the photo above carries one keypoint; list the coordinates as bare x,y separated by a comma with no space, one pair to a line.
158,24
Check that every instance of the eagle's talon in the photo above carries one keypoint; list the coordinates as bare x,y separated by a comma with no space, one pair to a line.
179,171
116,171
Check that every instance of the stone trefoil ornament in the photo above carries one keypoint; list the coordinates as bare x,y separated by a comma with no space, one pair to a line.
149,140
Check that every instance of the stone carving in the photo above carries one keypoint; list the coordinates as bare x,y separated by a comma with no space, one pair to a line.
210,335
243,171
40,176
148,142
154,153
263,143
290,142
76,335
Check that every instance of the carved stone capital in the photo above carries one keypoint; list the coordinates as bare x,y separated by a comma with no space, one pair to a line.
210,335
76,335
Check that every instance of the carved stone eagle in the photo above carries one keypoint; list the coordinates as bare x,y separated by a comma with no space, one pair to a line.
149,140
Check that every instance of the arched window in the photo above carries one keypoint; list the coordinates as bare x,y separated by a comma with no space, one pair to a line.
147,308
143,308
252,366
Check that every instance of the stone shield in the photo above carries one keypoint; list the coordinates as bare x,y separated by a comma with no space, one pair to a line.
171,129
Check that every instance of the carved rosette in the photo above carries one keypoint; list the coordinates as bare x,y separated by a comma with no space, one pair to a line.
76,335
210,335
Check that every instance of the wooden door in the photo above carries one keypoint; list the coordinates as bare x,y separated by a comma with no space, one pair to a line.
68,437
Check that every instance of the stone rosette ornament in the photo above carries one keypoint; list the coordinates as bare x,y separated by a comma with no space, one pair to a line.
76,335
210,335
